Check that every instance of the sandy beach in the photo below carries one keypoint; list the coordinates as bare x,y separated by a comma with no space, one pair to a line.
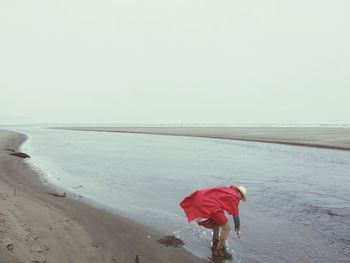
38,227
326,137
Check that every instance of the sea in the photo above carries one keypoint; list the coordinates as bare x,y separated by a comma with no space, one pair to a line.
298,204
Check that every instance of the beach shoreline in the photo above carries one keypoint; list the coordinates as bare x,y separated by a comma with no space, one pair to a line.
39,227
320,137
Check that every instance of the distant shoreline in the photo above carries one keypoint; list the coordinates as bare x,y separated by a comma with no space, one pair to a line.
320,137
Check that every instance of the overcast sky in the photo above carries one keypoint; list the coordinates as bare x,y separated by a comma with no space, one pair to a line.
127,61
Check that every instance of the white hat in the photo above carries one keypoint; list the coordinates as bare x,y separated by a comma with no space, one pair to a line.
243,191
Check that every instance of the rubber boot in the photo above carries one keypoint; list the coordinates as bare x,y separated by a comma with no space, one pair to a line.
214,244
222,253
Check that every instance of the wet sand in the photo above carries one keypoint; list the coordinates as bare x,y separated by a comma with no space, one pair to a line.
38,227
326,137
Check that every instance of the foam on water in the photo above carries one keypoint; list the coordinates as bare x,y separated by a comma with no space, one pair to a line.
298,206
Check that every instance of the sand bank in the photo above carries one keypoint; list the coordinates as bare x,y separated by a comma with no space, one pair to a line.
337,138
38,227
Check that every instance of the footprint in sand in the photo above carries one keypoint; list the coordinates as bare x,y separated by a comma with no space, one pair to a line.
3,196
43,248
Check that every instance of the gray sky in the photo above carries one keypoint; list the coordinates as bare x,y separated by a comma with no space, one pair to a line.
174,61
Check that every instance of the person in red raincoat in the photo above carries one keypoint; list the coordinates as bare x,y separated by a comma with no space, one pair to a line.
208,206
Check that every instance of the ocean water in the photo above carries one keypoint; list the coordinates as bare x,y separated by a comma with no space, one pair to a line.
298,207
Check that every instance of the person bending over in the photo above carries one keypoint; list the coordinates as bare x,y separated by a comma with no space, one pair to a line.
207,206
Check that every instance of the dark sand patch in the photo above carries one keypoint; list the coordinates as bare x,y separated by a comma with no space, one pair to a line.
20,154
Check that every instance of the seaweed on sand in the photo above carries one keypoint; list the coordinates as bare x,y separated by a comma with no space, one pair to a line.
171,241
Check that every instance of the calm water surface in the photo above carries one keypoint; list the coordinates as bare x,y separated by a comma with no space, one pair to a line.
298,208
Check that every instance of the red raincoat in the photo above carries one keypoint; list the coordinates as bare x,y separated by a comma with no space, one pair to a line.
204,203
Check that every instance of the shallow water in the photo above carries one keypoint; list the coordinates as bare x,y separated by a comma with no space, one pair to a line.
298,208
